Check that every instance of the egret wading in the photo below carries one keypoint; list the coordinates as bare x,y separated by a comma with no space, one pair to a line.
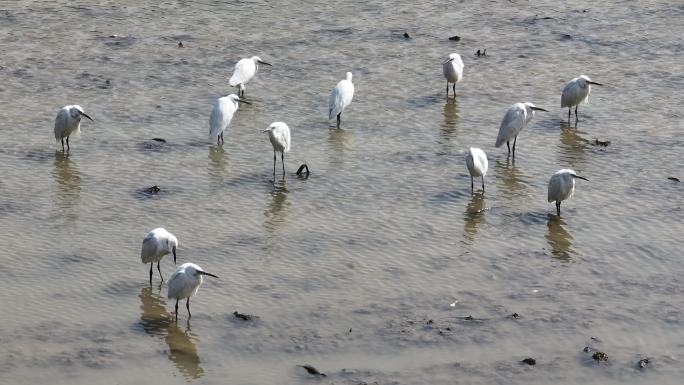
453,71
476,160
279,135
221,115
575,92
517,117
155,246
244,71
184,283
562,186
68,122
340,97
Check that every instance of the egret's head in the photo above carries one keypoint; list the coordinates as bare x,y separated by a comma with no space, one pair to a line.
236,99
197,271
451,57
531,107
275,125
77,113
257,59
349,76
574,174
584,80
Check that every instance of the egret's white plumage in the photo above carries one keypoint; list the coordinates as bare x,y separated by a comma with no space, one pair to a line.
340,97
562,186
279,135
453,70
68,122
244,71
185,282
517,117
477,163
575,92
221,115
155,246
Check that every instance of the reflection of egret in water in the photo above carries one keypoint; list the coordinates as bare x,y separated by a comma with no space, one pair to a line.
183,352
275,214
511,177
474,215
340,139
68,178
559,239
450,126
157,321
571,147
217,163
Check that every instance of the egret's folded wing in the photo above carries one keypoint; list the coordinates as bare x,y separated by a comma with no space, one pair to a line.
149,249
511,125
244,70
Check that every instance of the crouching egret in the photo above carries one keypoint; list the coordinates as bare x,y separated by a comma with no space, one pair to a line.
279,135
575,92
221,115
68,121
244,71
562,186
453,70
340,97
476,160
155,246
517,117
184,283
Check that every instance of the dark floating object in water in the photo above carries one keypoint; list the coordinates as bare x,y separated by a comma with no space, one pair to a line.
455,38
644,362
586,349
313,371
673,178
244,317
602,143
302,167
350,330
159,140
515,315
180,44
566,36
108,82
595,339
469,318
529,361
430,322
483,53
152,190
406,35
599,356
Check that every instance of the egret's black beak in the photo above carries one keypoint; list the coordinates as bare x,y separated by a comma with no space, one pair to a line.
539,109
596,83
244,101
174,255
581,177
448,60
263,62
205,273
84,114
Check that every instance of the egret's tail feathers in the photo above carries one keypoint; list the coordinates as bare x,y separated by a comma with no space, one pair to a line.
500,141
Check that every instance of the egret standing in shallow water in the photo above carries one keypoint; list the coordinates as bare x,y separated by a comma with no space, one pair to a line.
476,160
279,135
562,186
155,246
575,92
184,283
221,115
68,121
244,71
517,117
453,71
340,97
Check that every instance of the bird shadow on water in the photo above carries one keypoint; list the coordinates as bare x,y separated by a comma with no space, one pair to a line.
277,207
559,239
158,322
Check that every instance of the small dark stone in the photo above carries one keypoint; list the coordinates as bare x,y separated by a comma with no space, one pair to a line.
673,178
602,143
586,349
599,356
313,371
595,339
455,38
152,190
644,362
515,315
529,361
108,82
350,330
565,36
430,322
161,140
406,35
244,317
469,318
180,44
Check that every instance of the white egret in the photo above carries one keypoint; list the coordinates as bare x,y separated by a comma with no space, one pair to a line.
340,97
221,115
562,186
279,135
68,122
155,246
476,160
575,92
244,71
184,283
517,117
453,70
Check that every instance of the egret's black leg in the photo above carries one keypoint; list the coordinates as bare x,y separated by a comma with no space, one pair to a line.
508,144
282,160
576,118
558,208
187,306
176,309
514,140
159,269
68,144
482,183
339,120
454,86
274,162
222,141
151,264
472,188
569,112
62,144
